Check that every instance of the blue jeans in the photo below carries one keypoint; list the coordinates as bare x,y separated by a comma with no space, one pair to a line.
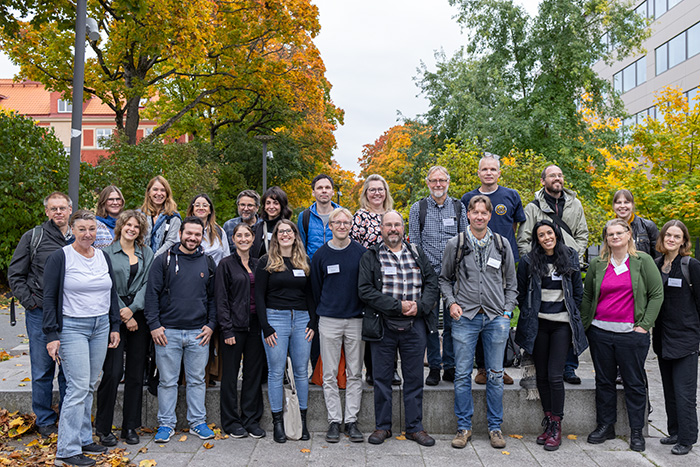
43,368
83,348
182,346
494,334
290,326
448,354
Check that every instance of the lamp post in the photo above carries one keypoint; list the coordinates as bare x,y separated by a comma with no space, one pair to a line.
264,139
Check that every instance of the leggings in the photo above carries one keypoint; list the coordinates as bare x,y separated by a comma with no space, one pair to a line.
549,353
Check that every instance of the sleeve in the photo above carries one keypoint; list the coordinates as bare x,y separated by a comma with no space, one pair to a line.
518,212
655,291
262,278
300,226
103,237
525,230
311,306
228,233
316,276
414,234
172,237
587,310
369,294
653,233
358,231
54,270
576,281
224,244
154,288
694,270
523,276
447,271
511,285
18,272
114,317
223,302
140,298
581,233
431,290
463,222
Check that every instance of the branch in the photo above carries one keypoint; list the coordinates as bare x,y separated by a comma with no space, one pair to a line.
172,120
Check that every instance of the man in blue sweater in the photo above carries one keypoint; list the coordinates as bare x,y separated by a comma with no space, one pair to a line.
181,314
334,272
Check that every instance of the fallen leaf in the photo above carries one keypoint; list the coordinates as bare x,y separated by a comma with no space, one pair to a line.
22,384
33,443
143,450
305,451
208,445
572,437
506,453
516,436
21,335
401,438
147,462
26,379
182,438
18,364
16,422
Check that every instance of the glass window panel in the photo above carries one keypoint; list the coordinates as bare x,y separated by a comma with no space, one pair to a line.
662,59
676,50
694,40
629,78
691,95
100,135
672,3
659,8
617,82
641,70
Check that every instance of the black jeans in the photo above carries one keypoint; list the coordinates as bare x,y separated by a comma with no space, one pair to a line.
549,353
679,377
135,344
628,350
411,345
249,345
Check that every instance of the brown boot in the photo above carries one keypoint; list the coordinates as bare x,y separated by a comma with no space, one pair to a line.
506,378
480,377
554,440
547,424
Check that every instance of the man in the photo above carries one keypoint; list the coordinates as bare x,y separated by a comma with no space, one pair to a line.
248,203
181,314
313,222
509,215
431,223
398,282
334,271
26,277
560,205
481,302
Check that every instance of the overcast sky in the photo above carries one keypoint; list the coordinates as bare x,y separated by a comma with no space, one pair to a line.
372,50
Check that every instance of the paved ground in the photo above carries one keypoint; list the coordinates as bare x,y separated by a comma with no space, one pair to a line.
394,452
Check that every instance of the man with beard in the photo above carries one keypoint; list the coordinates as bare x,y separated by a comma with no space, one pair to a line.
248,203
431,223
397,282
181,314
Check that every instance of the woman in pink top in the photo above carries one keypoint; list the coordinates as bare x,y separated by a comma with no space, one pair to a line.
622,296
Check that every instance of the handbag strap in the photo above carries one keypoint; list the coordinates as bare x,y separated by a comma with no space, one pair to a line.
290,375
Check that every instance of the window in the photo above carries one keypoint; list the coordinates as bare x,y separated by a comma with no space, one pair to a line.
100,135
631,76
693,40
64,106
642,10
690,95
147,131
660,7
678,49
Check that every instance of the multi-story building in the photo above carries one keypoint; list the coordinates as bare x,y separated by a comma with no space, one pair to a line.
672,57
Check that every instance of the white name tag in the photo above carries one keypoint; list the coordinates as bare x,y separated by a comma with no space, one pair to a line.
269,235
299,273
449,222
621,269
333,268
672,282
494,263
556,277
390,270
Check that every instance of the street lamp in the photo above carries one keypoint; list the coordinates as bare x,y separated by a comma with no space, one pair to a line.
264,139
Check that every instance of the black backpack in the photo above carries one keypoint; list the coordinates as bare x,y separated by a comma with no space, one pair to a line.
423,212
464,249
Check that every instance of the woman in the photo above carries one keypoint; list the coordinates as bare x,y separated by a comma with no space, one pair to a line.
109,205
375,200
131,261
161,215
677,335
549,296
81,320
644,231
286,313
274,203
240,331
622,296
214,242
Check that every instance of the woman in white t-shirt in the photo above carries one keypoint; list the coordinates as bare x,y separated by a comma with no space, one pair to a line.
81,320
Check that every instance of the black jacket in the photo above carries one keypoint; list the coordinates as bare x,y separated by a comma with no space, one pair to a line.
645,234
370,286
232,291
677,328
530,299
26,276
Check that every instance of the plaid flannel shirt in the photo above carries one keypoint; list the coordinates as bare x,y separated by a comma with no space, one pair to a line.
407,283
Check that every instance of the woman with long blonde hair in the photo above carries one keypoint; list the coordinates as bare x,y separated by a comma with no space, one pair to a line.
161,214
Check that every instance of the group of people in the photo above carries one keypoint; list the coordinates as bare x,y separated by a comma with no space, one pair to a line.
102,288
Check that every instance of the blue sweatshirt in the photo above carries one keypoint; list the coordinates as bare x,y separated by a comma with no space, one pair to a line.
187,300
334,276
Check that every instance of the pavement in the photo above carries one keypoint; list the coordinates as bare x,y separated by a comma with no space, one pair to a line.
185,449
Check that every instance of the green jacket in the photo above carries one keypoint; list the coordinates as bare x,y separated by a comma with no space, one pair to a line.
647,288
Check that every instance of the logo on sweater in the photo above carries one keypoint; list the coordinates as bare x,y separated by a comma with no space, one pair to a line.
201,274
501,209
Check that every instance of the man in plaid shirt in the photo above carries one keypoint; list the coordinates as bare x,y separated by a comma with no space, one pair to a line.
398,282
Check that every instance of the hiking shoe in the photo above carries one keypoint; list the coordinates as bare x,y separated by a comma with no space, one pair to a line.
497,440
333,433
421,437
461,439
94,448
164,434
507,379
433,377
480,377
203,431
78,459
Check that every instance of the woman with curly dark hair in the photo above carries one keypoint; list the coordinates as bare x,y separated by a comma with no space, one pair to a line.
275,208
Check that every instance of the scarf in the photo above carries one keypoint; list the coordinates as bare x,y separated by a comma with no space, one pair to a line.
109,221
481,247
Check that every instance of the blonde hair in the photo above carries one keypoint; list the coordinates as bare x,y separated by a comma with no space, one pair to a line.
605,252
169,205
275,261
364,201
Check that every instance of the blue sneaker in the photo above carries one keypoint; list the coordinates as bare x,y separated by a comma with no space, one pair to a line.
203,431
164,434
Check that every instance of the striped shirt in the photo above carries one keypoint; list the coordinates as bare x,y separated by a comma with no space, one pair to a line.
552,307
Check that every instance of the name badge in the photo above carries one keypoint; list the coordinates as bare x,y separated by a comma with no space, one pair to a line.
269,235
672,282
390,270
556,277
333,268
494,263
299,273
449,222
621,269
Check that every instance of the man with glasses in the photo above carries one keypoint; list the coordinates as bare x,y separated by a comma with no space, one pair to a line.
560,205
431,223
248,203
334,271
26,277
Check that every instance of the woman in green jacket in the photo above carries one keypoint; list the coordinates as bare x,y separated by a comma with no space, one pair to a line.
622,296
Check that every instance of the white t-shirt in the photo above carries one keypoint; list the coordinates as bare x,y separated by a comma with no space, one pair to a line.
86,284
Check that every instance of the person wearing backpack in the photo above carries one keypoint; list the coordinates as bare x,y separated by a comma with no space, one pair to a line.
26,277
677,335
160,210
479,285
181,315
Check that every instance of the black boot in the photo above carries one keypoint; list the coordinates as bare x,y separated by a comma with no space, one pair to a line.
305,436
278,428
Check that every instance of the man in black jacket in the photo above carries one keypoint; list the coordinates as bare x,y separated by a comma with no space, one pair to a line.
397,281
26,277
181,314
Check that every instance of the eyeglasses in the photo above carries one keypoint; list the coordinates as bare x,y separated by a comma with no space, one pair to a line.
342,223
559,175
617,234
393,226
375,190
201,206
59,209
115,200
434,181
281,232
246,206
